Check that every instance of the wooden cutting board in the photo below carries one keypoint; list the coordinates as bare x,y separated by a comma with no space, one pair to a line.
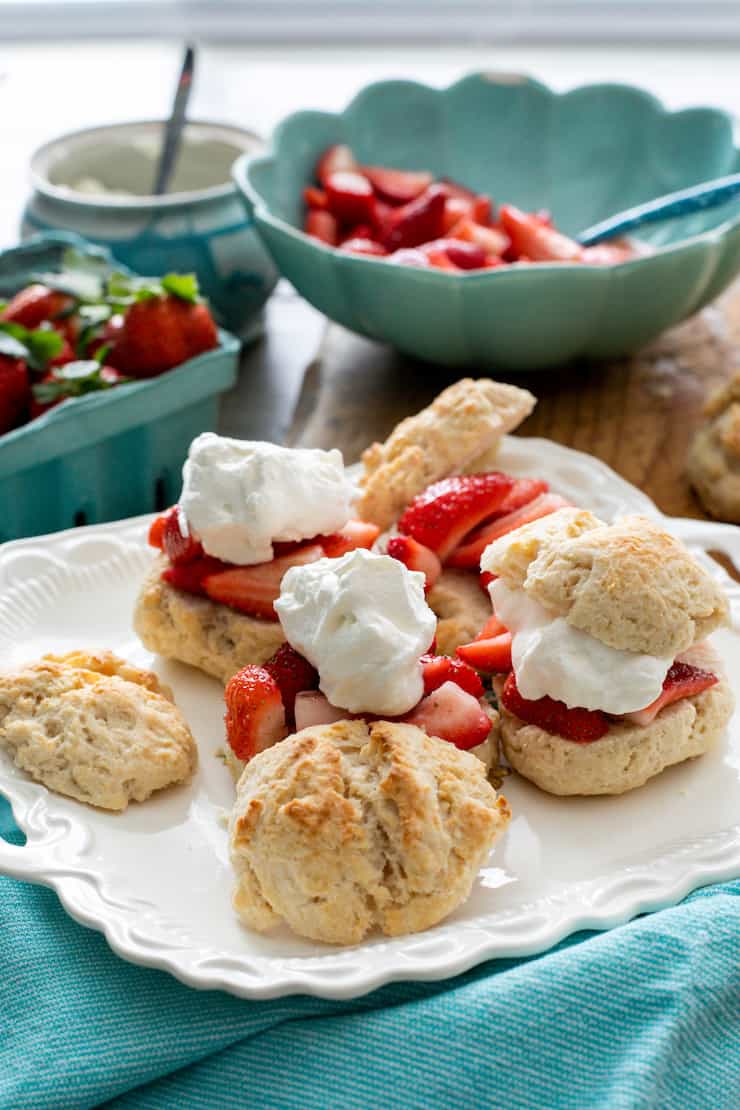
637,414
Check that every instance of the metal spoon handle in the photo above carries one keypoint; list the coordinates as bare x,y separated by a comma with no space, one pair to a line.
174,126
708,195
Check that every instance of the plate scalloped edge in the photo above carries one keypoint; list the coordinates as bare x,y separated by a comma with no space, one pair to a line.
56,851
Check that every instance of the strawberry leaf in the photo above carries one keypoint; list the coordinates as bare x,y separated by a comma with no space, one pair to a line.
73,380
37,346
10,346
182,286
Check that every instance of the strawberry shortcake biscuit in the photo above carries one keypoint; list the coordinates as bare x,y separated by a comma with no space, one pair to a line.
610,678
248,512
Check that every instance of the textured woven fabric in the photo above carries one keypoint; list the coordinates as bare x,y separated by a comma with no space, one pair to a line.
644,1016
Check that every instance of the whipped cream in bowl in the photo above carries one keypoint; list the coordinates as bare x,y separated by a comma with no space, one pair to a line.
239,496
552,658
363,623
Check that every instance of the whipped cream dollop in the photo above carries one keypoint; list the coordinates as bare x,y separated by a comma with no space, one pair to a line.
550,657
363,623
239,497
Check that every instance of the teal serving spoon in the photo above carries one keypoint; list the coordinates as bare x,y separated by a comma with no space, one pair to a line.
694,199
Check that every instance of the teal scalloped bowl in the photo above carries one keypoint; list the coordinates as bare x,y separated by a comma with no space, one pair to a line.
585,155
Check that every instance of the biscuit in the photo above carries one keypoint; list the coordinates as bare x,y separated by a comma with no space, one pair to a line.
629,584
627,756
93,735
347,827
713,465
460,430
461,606
201,632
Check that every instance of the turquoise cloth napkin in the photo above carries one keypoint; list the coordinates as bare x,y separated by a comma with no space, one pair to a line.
644,1016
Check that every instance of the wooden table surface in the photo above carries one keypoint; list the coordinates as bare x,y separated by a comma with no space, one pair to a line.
637,414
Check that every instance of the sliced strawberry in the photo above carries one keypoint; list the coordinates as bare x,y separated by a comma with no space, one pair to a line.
254,589
456,209
350,197
447,510
469,552
524,490
533,238
255,717
177,543
482,210
491,655
682,681
439,259
581,725
416,222
155,536
335,159
191,577
411,256
293,674
312,708
363,246
315,198
489,239
397,186
356,533
485,578
415,556
492,627
322,225
452,714
438,669
466,256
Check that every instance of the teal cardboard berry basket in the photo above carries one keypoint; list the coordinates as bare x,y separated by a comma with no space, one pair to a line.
105,455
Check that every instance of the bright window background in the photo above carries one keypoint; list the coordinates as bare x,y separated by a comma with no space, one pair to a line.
431,21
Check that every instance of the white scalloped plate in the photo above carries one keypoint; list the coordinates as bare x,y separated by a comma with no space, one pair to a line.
156,880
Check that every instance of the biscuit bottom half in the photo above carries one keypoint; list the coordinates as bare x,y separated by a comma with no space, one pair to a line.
198,631
627,756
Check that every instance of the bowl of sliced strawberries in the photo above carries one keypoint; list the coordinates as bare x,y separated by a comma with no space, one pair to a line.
105,378
444,221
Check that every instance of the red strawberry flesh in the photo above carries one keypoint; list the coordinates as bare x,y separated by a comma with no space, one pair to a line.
446,511
469,552
452,714
580,725
293,674
255,589
491,655
255,717
438,669
682,681
177,543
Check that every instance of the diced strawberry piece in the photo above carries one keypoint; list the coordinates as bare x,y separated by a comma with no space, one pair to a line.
155,537
254,589
415,556
191,577
581,725
470,550
255,717
312,708
492,241
322,225
482,210
411,256
447,510
492,627
468,256
356,533
452,714
335,159
682,681
293,675
456,209
35,304
315,198
439,259
363,246
491,655
485,578
177,543
607,254
350,197
416,222
535,239
359,231
397,186
438,669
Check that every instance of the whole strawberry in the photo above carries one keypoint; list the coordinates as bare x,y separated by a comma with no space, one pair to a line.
15,392
161,332
35,304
